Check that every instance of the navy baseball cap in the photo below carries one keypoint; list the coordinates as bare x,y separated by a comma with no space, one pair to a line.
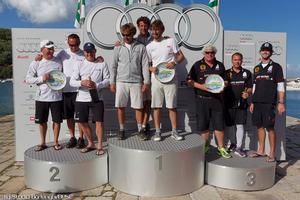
266,47
89,46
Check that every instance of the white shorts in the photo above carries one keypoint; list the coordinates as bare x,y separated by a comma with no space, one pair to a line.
126,90
159,91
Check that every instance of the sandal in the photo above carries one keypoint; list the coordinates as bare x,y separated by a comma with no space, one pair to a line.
256,155
87,149
270,159
57,147
100,152
40,147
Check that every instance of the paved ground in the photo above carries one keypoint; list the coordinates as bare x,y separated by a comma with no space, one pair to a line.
287,185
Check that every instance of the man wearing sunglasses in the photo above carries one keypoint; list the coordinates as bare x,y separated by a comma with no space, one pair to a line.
129,78
46,99
209,106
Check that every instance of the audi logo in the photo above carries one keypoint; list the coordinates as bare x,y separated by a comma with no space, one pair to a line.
193,27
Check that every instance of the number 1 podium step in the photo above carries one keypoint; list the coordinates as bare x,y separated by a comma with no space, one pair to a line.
157,169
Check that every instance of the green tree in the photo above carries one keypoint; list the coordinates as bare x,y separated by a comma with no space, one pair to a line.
5,54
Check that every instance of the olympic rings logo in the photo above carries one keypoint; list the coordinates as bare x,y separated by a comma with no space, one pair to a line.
183,16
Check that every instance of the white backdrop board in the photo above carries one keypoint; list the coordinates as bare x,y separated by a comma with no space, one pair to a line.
248,43
26,45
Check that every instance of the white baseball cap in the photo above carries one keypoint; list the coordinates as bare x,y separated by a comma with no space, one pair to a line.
46,44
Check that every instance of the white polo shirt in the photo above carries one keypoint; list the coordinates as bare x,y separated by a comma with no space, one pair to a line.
162,51
69,61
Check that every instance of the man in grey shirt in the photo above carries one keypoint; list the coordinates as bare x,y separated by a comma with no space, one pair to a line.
129,77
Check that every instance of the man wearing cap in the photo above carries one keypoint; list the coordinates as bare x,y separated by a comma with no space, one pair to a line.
129,78
268,91
163,50
90,77
209,106
46,99
69,57
236,93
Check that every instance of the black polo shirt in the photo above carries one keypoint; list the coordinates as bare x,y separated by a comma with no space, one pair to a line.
265,80
237,83
199,72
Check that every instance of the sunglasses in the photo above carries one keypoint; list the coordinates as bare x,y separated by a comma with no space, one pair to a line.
73,45
126,35
49,43
209,52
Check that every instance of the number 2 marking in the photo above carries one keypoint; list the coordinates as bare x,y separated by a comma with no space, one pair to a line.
55,171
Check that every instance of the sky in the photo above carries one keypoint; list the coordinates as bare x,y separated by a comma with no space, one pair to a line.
243,15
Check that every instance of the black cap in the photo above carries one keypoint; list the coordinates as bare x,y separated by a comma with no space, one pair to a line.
266,46
89,46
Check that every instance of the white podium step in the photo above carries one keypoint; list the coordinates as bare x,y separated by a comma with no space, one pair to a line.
239,173
156,169
64,171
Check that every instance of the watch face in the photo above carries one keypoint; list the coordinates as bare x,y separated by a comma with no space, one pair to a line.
163,74
57,80
215,83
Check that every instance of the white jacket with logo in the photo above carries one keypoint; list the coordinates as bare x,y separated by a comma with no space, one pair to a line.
98,72
35,76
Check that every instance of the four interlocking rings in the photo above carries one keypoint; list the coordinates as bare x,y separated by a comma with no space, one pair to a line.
182,37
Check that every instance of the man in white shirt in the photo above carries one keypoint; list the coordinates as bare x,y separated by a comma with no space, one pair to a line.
163,50
69,57
90,77
46,98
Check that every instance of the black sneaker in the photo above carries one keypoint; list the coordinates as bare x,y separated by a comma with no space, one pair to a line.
232,147
121,135
80,143
72,143
142,135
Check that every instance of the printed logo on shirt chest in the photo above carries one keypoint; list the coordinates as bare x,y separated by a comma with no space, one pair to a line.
202,68
270,69
244,75
263,77
256,69
217,68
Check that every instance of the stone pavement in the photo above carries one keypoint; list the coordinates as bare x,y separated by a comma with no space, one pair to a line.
287,185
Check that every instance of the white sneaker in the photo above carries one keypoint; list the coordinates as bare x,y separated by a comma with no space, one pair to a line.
176,136
157,137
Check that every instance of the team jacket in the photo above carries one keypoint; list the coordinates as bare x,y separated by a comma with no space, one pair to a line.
130,66
35,76
97,72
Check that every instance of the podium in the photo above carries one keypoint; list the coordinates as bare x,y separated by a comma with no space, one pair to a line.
64,171
157,169
238,173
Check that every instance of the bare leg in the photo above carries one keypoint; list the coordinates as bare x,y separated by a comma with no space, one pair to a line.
261,140
156,116
220,138
139,116
173,117
99,132
146,112
88,133
71,126
272,141
43,132
121,116
81,133
205,136
56,129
